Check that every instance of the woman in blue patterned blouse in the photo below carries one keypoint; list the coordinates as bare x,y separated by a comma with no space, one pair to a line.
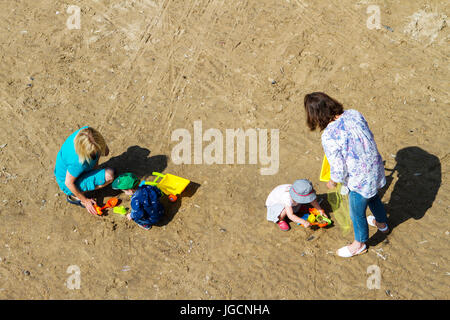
355,162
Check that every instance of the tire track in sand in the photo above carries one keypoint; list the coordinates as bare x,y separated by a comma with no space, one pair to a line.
122,84
179,85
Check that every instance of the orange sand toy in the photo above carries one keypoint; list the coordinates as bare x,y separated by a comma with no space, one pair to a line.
111,203
318,220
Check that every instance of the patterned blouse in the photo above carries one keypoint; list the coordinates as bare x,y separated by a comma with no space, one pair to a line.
353,155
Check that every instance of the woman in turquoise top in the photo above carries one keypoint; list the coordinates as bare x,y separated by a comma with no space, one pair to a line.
75,168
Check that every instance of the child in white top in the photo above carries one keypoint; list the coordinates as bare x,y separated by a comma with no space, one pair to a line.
287,199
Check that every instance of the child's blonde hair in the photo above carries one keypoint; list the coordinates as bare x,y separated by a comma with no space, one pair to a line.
88,142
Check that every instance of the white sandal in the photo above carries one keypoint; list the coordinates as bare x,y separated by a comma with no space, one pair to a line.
371,222
344,252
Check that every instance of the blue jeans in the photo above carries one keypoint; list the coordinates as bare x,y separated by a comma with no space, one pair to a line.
358,205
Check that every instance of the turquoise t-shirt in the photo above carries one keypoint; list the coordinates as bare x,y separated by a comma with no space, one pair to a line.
67,160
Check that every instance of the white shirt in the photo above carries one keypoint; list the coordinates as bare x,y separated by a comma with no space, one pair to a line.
353,155
280,195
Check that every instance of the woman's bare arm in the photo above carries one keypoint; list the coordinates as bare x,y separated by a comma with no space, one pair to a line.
88,203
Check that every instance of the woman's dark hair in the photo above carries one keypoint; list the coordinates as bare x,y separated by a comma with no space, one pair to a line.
321,109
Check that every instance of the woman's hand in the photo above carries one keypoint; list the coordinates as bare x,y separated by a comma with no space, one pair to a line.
89,205
129,216
331,184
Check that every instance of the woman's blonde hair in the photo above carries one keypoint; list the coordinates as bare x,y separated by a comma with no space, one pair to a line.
88,142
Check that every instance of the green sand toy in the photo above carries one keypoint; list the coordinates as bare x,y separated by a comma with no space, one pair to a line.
120,210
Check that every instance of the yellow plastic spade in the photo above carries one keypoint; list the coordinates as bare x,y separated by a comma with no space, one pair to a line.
325,171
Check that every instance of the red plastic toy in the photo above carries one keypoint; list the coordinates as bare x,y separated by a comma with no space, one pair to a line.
111,203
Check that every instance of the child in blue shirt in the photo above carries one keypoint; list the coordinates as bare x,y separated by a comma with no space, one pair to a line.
146,209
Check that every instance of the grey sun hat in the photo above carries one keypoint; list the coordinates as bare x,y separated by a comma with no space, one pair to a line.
302,191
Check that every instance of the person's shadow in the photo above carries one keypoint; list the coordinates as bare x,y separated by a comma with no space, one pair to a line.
171,208
419,178
135,160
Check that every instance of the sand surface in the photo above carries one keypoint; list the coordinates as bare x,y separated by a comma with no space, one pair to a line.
138,70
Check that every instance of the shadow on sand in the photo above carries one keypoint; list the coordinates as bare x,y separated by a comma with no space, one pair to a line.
419,178
171,208
135,160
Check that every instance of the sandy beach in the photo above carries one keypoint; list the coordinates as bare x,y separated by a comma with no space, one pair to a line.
139,70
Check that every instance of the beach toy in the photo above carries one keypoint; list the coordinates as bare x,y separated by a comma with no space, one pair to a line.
98,209
111,203
325,171
319,220
316,219
169,184
120,210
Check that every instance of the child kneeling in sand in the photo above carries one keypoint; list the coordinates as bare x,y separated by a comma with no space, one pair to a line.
146,210
287,199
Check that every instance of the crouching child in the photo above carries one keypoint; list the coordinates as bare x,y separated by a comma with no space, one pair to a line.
146,209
